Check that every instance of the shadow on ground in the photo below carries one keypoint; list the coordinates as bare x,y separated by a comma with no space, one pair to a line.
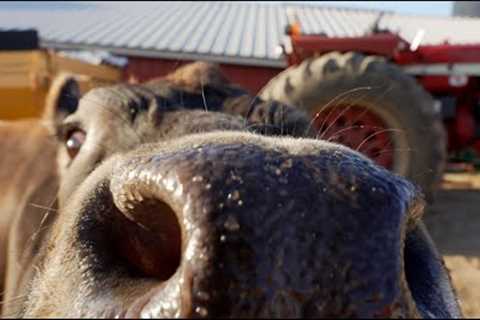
454,223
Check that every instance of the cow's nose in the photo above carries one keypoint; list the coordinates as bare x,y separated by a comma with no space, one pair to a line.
245,230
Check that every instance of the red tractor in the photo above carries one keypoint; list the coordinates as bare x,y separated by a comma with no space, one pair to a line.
403,104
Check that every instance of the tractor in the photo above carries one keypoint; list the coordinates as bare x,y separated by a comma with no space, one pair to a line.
409,107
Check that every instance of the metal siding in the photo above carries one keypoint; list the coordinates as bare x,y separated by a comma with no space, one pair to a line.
117,36
271,37
281,24
220,31
222,39
89,25
108,33
212,31
328,28
234,39
252,78
260,33
184,22
247,48
201,35
304,21
147,27
163,28
191,27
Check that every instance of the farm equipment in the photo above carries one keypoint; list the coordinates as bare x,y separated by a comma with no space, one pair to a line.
26,72
405,105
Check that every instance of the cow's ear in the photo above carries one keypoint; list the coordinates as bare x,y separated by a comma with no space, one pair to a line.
62,99
270,117
195,76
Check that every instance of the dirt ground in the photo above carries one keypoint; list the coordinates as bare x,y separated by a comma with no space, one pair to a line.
454,223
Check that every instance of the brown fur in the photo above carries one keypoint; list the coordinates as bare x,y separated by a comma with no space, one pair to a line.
28,186
26,194
61,95
193,76
28,175
29,171
51,266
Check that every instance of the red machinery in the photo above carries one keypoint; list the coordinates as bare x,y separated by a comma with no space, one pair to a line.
451,73
445,98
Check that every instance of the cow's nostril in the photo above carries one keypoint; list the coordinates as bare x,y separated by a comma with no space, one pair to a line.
427,277
149,240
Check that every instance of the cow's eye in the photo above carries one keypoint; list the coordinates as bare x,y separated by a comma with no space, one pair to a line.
133,110
74,142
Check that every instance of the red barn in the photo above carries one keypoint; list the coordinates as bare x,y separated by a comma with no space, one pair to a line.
242,37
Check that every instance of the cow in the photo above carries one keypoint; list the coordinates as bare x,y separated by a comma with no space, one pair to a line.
187,197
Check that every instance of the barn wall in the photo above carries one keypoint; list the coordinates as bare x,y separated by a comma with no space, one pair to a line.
251,78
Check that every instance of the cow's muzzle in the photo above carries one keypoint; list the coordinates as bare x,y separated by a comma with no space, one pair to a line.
241,230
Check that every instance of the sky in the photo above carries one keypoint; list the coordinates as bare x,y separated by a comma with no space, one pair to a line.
436,8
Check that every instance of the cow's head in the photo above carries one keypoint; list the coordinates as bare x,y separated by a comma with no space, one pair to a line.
190,199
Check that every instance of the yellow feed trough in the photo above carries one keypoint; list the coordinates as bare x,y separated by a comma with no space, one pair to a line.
26,75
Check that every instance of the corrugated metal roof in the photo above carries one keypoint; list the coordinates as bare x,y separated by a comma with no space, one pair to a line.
232,32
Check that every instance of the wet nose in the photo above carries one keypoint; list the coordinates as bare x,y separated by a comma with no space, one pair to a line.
238,229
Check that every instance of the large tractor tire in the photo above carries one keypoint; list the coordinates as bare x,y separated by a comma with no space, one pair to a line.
372,106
